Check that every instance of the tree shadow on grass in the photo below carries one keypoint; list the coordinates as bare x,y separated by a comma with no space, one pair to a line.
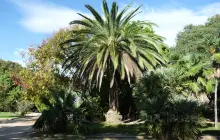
98,131
117,132
100,128
208,129
211,132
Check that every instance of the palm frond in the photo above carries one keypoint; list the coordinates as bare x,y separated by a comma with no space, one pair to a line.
95,14
113,45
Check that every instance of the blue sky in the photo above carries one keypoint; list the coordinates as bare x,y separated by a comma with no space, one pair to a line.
28,22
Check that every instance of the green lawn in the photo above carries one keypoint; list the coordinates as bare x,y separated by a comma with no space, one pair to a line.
8,115
99,128
209,129
138,129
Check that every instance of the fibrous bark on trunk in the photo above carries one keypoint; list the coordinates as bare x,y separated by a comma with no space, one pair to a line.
113,115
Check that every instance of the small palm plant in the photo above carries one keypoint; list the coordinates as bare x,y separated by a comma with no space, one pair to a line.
60,113
168,115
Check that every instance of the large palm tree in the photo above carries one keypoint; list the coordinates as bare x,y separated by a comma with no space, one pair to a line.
114,47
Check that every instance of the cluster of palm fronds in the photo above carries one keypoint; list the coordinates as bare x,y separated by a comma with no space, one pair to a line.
168,114
64,110
113,44
172,117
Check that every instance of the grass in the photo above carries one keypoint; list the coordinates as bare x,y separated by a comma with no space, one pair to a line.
99,128
209,129
96,129
138,129
8,115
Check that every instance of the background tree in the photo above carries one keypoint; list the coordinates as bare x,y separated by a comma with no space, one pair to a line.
202,40
193,39
43,68
193,73
10,93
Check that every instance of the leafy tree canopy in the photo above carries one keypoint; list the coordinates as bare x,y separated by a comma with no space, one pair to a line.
43,67
113,46
198,38
9,91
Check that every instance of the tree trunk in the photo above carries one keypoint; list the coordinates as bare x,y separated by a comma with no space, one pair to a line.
215,104
113,100
113,116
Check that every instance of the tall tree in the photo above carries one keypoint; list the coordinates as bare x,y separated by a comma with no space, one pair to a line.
113,47
193,38
203,40
9,91
43,68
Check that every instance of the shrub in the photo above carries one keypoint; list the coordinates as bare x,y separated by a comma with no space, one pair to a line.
93,109
79,121
55,120
60,113
168,115
23,107
175,117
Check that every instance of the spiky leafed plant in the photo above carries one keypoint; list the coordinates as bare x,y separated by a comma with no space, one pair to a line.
194,73
65,109
55,118
112,46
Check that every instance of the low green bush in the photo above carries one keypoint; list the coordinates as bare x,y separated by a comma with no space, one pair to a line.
24,106
60,113
174,118
168,115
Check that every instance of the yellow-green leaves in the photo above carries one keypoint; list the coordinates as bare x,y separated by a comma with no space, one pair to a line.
216,57
43,69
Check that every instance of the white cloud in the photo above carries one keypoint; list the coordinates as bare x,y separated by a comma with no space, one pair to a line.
43,17
21,62
47,17
18,56
171,21
18,51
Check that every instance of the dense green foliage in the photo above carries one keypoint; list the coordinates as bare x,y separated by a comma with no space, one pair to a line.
168,115
202,41
43,69
179,89
10,93
198,39
62,112
176,117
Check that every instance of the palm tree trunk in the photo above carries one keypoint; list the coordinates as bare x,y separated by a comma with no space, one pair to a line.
114,93
113,115
113,100
215,104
